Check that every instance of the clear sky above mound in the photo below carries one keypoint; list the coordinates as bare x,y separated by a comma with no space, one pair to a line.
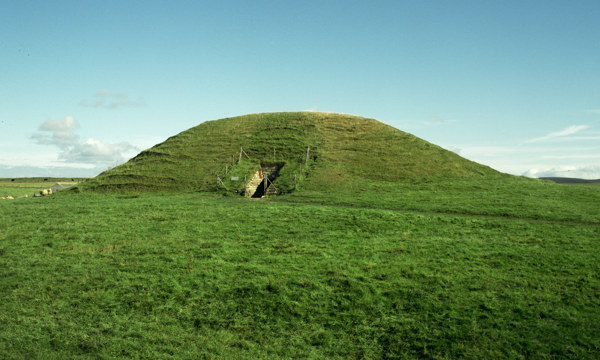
512,85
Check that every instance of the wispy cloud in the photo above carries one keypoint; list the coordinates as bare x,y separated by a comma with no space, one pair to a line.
96,151
571,130
112,100
580,172
566,159
573,156
436,120
61,133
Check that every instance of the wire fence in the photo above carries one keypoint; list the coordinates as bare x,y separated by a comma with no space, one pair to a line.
224,171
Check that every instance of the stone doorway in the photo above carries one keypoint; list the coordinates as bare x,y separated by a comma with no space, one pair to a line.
261,182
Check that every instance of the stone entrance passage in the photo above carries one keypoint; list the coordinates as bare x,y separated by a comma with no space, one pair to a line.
261,182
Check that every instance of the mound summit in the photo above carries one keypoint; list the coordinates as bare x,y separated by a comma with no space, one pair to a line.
314,151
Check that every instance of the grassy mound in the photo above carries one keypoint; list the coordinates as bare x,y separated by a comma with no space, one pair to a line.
327,150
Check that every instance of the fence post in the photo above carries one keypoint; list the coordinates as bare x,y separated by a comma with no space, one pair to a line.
220,182
295,182
242,152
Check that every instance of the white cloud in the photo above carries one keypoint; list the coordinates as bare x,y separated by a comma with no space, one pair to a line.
579,172
436,120
560,134
112,100
534,160
68,123
573,156
61,133
96,151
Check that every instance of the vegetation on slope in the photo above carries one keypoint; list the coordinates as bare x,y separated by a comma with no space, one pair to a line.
342,151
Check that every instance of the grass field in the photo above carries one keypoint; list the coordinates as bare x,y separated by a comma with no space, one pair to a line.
506,268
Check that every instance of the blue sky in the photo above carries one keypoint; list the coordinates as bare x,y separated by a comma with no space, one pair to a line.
515,85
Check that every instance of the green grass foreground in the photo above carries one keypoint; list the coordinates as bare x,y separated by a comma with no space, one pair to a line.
416,271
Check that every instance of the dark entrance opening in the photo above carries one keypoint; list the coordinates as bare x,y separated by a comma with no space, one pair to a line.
260,190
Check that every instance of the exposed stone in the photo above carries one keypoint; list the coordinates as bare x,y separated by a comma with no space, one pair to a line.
268,171
58,187
253,183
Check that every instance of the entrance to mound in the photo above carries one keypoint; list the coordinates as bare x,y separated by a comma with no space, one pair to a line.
261,182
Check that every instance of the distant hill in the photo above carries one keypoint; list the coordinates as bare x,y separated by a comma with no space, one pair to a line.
565,180
323,150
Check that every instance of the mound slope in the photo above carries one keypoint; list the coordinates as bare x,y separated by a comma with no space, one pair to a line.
324,150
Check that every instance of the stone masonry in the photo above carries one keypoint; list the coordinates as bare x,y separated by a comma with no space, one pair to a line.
253,183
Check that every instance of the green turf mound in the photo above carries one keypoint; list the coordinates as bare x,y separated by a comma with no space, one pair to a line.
320,151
